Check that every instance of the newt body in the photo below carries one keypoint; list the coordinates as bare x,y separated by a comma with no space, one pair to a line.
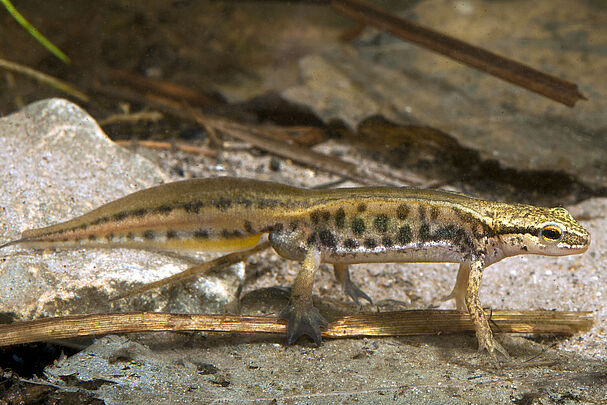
338,226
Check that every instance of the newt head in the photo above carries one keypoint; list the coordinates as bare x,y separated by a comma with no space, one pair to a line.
524,229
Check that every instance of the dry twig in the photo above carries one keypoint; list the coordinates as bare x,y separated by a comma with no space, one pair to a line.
44,78
168,146
373,324
510,70
130,118
161,88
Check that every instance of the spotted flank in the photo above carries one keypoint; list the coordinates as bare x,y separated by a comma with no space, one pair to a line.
352,232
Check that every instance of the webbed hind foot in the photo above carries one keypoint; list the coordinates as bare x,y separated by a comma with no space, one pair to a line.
303,321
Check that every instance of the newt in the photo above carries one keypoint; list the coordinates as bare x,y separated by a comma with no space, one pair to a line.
339,226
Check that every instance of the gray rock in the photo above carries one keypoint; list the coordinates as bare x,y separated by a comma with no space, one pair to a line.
57,163
435,369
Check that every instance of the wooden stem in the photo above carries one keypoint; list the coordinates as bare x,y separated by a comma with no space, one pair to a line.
417,322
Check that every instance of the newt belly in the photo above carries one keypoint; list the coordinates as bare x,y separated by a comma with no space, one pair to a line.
338,226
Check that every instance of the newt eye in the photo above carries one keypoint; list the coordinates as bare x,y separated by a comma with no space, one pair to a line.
551,234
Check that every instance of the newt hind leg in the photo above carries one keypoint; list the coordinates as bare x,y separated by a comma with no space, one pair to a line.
302,317
461,286
342,274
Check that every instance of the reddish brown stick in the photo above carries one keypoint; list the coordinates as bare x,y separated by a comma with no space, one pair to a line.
507,69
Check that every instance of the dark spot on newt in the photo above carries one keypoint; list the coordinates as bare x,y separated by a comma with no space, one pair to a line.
445,233
402,212
171,234
434,213
350,244
268,228
464,216
248,226
358,226
404,234
163,209
223,203
312,239
361,207
340,218
100,220
424,233
315,217
264,203
245,202
139,212
381,222
422,213
201,234
370,243
193,207
326,238
387,242
130,236
120,216
293,226
463,239
149,234
277,227
92,237
235,233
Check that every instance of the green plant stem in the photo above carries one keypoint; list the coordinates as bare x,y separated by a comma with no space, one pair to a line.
34,32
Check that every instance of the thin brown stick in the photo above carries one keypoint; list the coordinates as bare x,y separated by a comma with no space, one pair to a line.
130,118
301,135
162,88
12,85
44,78
420,322
223,261
168,146
510,70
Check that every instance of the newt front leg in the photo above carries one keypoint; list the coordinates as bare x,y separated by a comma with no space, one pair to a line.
475,309
303,318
